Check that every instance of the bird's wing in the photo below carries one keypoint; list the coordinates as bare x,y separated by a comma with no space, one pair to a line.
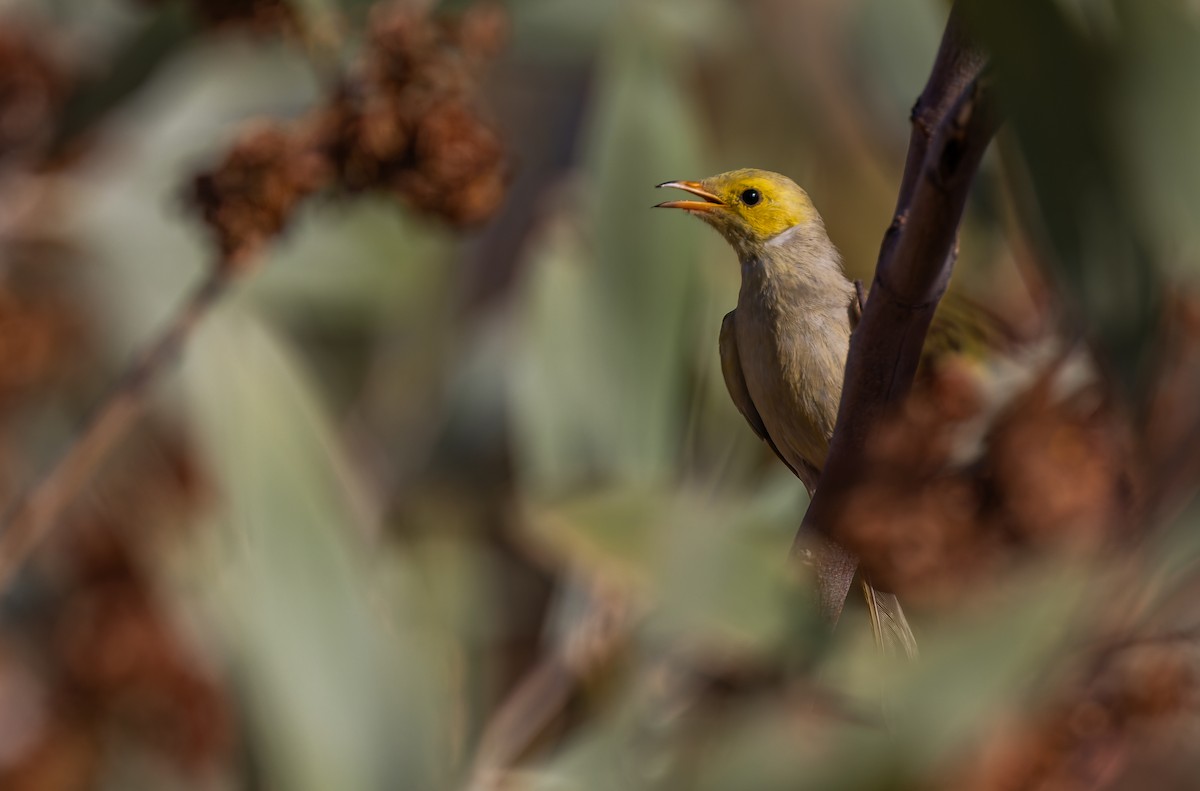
964,327
892,632
960,327
735,383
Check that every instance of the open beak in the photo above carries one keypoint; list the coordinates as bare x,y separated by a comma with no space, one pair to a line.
709,201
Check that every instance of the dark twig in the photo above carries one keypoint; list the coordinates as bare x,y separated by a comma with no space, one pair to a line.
959,61
36,512
953,122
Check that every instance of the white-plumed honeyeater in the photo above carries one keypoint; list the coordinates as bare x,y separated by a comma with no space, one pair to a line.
783,349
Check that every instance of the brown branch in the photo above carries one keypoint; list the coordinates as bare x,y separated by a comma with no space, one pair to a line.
953,122
31,518
959,61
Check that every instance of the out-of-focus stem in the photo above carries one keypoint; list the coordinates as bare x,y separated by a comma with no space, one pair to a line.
36,512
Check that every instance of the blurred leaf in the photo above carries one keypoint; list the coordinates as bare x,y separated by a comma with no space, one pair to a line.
577,29
613,532
335,700
724,578
1057,86
1160,123
559,437
973,669
560,29
602,356
897,41
1175,554
634,744
353,265
712,567
163,33
644,274
970,671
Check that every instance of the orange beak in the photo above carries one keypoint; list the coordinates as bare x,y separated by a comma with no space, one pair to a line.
709,202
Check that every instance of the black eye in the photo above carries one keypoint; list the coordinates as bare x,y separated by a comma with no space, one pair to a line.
751,197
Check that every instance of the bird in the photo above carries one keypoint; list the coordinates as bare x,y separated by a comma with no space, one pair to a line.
783,348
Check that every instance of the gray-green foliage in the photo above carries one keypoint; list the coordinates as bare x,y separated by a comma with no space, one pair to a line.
353,650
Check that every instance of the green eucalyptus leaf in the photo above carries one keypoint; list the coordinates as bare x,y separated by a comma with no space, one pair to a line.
602,356
340,695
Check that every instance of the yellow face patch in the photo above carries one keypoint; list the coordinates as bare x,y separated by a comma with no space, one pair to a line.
759,204
749,207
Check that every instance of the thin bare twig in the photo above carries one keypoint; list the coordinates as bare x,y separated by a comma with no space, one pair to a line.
541,696
31,518
526,717
953,122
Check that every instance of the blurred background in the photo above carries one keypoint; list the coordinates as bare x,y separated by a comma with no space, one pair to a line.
445,491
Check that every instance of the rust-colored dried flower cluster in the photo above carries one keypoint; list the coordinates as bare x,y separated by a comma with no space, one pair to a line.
1059,473
407,124
249,198
1086,736
42,337
121,656
1055,472
32,87
404,122
91,651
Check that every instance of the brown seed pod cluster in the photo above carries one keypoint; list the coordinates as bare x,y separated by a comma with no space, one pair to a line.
42,330
407,125
91,651
1054,473
1090,734
32,88
249,198
1059,470
404,122
120,655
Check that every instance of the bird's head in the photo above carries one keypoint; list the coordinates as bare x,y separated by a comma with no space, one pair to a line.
749,207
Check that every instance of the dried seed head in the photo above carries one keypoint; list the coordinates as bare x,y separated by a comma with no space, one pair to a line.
32,87
248,199
403,123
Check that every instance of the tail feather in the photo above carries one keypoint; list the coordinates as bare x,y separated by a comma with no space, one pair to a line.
892,632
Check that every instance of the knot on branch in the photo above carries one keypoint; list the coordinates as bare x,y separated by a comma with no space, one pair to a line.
899,302
964,132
